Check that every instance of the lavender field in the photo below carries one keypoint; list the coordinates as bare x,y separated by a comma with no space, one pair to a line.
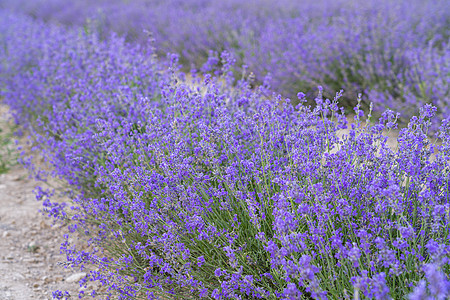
239,149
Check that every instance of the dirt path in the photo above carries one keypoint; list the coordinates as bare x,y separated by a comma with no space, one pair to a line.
29,246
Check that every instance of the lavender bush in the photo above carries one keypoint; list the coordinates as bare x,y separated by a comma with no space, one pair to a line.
208,188
393,52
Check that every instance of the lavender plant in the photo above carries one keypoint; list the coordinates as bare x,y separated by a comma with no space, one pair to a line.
394,53
209,188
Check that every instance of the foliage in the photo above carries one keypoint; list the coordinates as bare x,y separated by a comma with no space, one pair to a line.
202,188
7,155
396,53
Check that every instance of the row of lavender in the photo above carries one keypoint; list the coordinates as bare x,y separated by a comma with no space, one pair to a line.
196,189
396,53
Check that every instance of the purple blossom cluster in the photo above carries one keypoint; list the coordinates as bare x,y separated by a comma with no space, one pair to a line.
396,53
201,186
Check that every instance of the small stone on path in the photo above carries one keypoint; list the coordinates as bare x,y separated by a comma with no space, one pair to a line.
75,277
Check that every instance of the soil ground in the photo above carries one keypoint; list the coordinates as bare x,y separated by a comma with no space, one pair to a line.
30,259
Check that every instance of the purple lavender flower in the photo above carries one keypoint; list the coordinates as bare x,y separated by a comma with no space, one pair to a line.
212,185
